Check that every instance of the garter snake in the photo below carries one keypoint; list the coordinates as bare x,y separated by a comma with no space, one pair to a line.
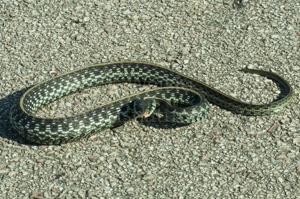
182,98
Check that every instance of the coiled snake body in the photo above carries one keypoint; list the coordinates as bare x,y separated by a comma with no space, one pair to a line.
181,98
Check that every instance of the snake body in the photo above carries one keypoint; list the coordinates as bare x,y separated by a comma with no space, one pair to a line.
181,97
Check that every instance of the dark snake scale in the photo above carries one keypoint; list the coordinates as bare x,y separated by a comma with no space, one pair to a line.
179,97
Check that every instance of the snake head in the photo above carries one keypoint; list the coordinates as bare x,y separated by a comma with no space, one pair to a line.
144,107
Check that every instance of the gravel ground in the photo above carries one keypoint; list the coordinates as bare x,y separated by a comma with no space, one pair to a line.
226,155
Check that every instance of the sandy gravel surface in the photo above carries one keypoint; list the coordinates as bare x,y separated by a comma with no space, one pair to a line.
225,156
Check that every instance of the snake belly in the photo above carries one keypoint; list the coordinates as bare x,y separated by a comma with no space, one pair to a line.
174,88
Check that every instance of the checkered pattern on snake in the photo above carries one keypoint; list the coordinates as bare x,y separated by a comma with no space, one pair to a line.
175,89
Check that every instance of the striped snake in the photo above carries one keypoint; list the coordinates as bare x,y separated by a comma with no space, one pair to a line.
180,98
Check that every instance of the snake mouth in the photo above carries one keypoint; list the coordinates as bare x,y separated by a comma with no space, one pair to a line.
144,107
145,115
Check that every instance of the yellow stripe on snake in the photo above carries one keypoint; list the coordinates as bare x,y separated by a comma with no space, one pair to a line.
180,98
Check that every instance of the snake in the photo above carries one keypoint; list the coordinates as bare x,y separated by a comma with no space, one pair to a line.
181,99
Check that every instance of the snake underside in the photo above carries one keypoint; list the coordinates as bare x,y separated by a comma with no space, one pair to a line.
174,88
